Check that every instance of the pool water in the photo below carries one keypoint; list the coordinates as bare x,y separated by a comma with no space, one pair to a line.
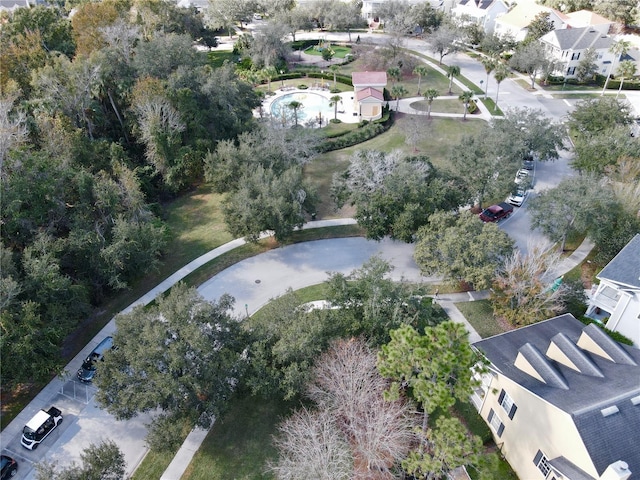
313,104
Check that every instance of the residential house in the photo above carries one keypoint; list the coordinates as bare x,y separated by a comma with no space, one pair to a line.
368,96
568,47
481,12
617,297
585,18
563,401
517,20
11,5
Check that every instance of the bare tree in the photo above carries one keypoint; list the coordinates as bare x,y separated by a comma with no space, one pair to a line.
311,446
444,41
353,415
523,290
12,127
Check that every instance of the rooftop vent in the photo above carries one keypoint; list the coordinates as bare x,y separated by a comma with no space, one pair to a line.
607,412
636,400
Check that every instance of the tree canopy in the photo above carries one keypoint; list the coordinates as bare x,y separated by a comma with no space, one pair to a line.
462,248
182,356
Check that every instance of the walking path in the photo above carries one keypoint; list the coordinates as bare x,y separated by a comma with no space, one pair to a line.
254,268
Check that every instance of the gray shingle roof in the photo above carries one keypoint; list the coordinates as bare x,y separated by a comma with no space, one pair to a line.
624,269
577,39
607,439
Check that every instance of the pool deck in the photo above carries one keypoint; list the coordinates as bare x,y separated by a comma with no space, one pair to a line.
346,110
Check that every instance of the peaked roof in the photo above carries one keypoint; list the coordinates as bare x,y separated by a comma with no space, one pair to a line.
369,78
369,92
480,4
577,39
522,15
584,18
582,371
624,269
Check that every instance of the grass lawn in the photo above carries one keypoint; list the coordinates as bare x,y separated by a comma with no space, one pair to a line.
440,106
480,316
239,445
340,51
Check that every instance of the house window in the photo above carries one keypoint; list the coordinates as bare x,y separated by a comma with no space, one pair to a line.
507,404
542,462
575,56
571,71
495,422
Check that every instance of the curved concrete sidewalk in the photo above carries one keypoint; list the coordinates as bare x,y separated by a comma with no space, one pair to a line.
211,288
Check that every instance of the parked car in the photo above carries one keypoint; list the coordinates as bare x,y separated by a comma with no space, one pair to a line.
88,369
8,467
517,197
496,213
39,427
523,178
528,162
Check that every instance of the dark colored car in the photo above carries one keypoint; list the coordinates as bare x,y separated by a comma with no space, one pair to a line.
9,467
88,369
527,163
496,213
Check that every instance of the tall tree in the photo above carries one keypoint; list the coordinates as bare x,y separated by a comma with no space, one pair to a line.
421,71
501,73
452,71
224,14
462,249
430,95
587,66
489,64
597,115
436,367
521,290
268,48
104,461
397,92
539,26
531,59
623,11
13,130
618,48
575,205
466,97
626,69
182,356
393,194
443,41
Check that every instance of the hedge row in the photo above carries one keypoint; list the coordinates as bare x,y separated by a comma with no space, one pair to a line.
618,337
329,76
366,131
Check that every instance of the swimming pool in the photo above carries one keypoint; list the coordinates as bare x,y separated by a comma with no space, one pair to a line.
314,104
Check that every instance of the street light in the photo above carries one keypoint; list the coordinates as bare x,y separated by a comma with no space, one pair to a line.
282,78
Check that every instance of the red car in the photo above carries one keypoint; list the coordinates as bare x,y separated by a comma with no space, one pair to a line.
496,213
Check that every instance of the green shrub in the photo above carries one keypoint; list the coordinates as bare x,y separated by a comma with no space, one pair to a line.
335,120
303,44
472,106
303,86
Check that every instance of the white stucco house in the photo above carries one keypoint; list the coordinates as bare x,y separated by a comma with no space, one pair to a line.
568,46
586,18
618,294
563,401
481,12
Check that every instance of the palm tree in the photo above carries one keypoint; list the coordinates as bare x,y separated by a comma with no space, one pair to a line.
269,73
334,69
452,71
333,102
421,71
465,97
398,91
394,73
430,96
296,107
500,73
489,64
626,69
618,48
